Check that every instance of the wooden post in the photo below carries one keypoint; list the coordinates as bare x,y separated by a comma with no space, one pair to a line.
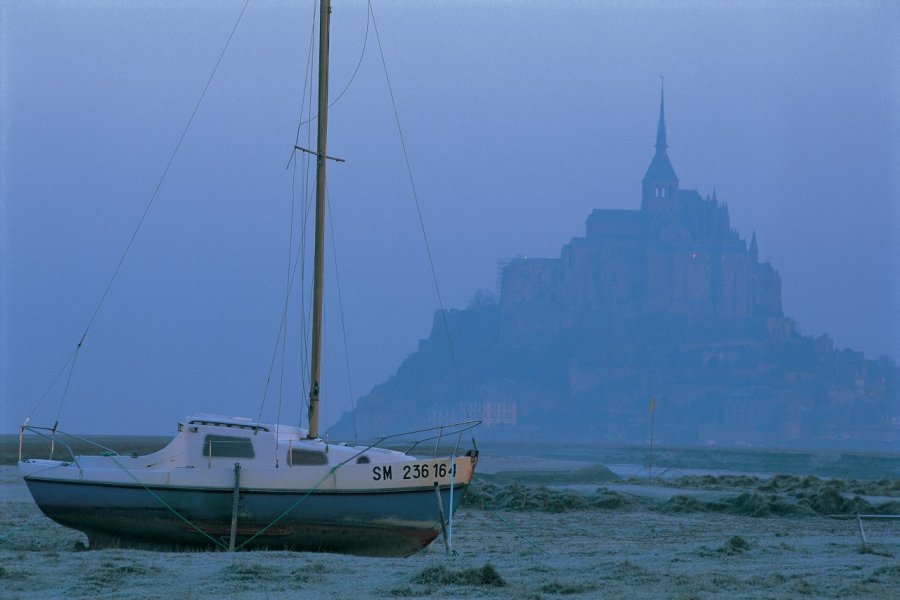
234,506
437,492
652,412
53,440
862,533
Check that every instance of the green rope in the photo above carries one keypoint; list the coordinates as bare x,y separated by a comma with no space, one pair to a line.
10,532
291,507
161,501
6,536
513,529
31,475
152,493
10,480
174,512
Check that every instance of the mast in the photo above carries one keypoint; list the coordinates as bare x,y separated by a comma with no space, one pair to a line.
319,259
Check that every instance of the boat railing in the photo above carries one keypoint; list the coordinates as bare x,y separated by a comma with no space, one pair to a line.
56,436
438,433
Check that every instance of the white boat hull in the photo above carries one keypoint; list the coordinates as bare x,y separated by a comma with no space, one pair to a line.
296,508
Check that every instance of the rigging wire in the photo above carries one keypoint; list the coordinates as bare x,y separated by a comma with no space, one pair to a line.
333,246
362,54
304,228
337,277
331,225
282,328
289,280
281,337
150,203
308,200
306,214
415,195
278,337
50,387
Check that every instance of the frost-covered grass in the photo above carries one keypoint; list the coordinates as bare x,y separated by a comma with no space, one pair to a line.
619,545
781,495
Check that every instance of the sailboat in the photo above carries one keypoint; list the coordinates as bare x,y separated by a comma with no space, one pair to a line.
231,483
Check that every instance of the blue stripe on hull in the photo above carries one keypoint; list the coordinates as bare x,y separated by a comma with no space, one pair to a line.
390,523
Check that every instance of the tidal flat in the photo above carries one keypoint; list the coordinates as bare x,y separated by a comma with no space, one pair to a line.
531,528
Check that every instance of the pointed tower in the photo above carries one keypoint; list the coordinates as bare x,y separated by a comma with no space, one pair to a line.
660,183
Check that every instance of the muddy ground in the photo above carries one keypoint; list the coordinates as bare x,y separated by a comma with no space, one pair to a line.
571,532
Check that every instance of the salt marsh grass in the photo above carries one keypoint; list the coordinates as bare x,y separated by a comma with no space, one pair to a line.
561,536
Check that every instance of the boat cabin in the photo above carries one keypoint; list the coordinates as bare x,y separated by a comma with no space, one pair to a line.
216,441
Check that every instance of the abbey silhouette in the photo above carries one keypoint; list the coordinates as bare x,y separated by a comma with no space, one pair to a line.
667,301
675,259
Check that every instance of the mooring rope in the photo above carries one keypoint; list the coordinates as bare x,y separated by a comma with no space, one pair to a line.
513,529
10,532
5,537
164,503
452,481
291,507
30,475
517,533
142,484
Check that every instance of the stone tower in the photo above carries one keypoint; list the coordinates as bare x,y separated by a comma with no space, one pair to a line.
660,183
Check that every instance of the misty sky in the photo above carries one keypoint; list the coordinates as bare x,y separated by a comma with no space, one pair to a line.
519,119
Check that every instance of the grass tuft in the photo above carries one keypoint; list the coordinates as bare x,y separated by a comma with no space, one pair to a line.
890,571
735,545
473,576
873,551
402,592
564,589
250,572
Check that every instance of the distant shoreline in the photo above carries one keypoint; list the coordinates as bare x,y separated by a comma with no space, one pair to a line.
669,461
37,447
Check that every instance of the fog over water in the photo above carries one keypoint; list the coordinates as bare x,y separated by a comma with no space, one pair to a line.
519,118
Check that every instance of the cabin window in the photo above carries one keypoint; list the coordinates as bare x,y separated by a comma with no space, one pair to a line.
363,460
300,456
227,446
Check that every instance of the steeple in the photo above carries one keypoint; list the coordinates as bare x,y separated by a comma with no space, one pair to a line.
661,126
660,183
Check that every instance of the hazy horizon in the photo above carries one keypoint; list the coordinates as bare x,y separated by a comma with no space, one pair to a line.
520,118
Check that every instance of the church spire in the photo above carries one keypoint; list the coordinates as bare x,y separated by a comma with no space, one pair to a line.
660,183
661,126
